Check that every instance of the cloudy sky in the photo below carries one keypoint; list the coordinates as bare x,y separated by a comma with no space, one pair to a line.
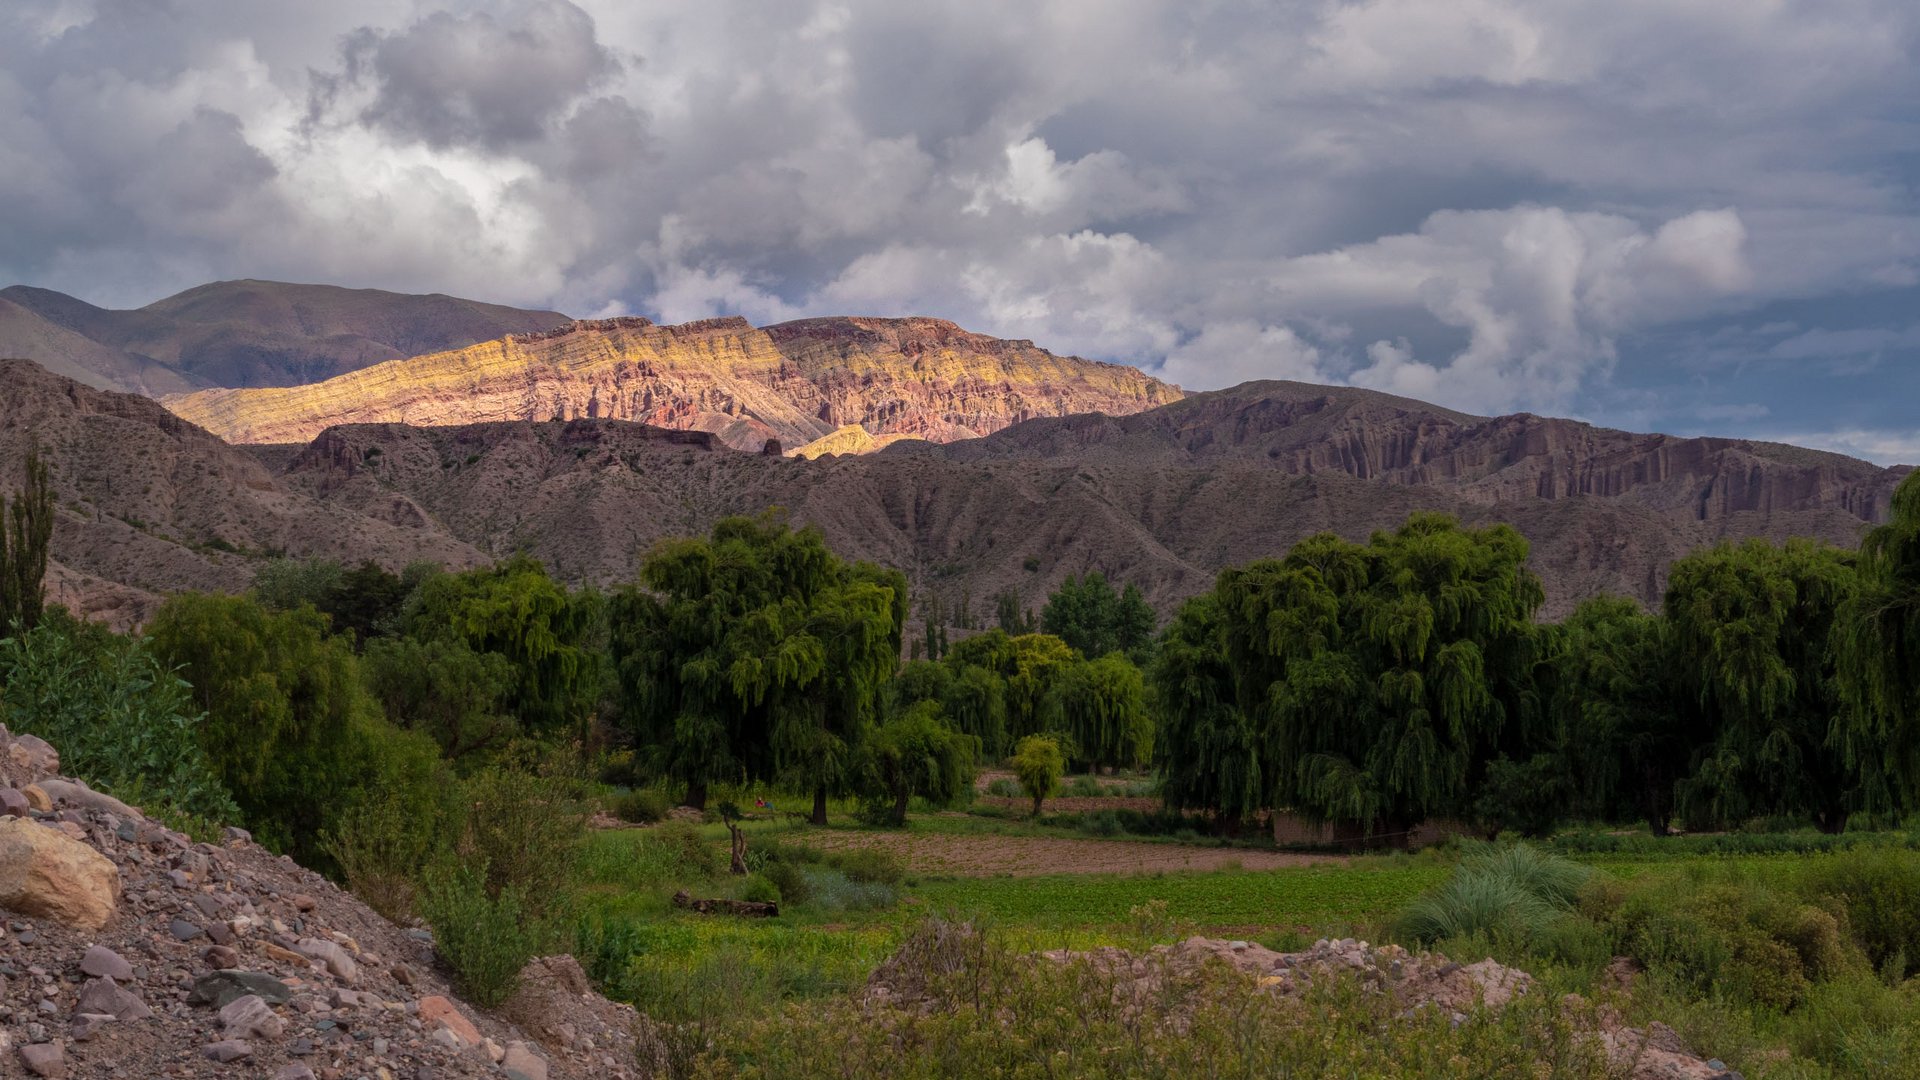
1687,215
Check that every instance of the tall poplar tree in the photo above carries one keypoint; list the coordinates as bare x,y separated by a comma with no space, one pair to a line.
26,531
1879,649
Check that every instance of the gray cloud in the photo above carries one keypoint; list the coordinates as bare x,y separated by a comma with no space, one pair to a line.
1489,203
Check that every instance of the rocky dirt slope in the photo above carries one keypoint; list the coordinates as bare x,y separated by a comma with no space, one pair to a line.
796,382
127,949
147,503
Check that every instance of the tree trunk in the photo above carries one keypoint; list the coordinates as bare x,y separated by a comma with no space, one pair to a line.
819,805
697,794
1037,800
900,801
739,863
1831,821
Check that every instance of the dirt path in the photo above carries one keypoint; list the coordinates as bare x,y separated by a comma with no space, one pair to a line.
1025,856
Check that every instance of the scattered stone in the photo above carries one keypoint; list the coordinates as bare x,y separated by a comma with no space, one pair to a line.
235,832
76,793
33,755
105,962
249,1017
294,1071
222,987
228,1050
45,1059
104,996
221,956
43,872
182,930
13,804
37,798
522,1063
86,1024
437,1009
333,956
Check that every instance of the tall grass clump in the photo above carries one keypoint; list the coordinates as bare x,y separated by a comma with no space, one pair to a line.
485,937
1512,893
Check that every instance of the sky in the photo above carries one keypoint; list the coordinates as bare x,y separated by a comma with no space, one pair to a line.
1694,216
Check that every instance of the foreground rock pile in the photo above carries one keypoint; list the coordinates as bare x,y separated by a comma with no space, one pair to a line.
127,948
1415,981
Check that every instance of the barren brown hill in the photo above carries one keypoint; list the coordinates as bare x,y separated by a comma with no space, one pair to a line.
1163,499
148,503
244,333
796,382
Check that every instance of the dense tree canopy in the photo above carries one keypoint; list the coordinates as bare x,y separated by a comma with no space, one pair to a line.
1753,635
756,653
1207,749
918,754
1101,705
26,530
1091,618
1879,645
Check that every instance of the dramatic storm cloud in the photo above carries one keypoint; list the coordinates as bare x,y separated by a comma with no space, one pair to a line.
1691,216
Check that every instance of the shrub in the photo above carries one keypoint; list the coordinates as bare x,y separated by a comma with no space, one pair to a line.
760,890
1880,890
527,830
834,891
382,848
1104,823
643,806
1505,894
1084,786
790,881
120,719
685,850
874,865
486,938
1003,788
1038,762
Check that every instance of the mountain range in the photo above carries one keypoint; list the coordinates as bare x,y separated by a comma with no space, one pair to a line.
973,464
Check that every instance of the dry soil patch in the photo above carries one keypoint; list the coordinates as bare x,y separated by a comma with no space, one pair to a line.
1024,856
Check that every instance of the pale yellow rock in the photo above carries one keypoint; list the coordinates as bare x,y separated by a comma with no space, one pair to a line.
37,797
47,874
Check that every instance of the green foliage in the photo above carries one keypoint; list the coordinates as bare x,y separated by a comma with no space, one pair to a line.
1207,749
1879,647
364,601
120,719
1027,667
527,830
1038,763
444,690
1012,616
1102,705
1094,620
1753,639
1529,797
484,936
917,754
1879,888
384,845
760,890
547,635
289,728
753,653
642,806
26,532
1509,894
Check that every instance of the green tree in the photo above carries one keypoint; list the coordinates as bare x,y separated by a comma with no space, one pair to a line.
917,753
1039,763
514,610
1208,752
1879,649
1028,666
1383,677
756,653
1753,634
1011,615
365,601
1628,728
289,728
444,690
1088,615
1102,706
26,531
120,718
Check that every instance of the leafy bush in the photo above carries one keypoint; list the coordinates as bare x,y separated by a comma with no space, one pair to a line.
1084,786
790,880
527,830
1003,788
761,890
382,847
833,891
1104,823
119,718
643,806
486,938
1880,890
1732,935
875,865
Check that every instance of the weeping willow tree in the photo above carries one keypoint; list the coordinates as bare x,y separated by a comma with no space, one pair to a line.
1028,666
1207,750
545,633
1627,727
1879,649
756,653
1381,679
1753,635
26,530
1102,706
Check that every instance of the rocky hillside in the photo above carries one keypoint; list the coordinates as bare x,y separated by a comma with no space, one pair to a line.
1163,499
244,333
130,950
795,383
147,503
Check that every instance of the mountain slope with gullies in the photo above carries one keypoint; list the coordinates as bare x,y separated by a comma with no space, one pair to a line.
244,333
796,383
1163,499
146,503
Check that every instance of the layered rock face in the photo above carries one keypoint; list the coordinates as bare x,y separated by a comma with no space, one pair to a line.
796,382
